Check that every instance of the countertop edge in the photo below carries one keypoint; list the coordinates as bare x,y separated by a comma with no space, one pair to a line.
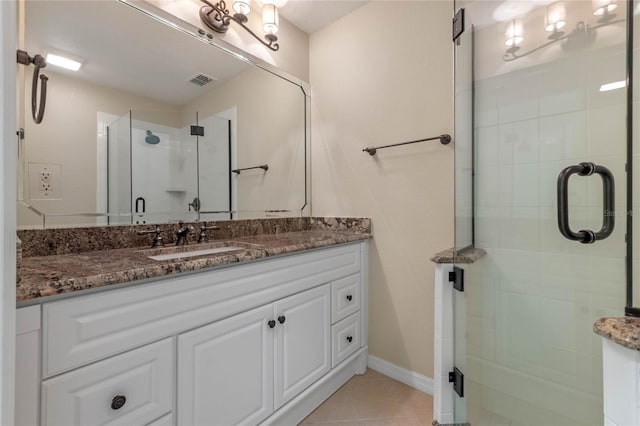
73,287
624,331
464,256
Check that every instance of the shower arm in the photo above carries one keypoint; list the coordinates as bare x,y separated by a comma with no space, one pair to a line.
38,62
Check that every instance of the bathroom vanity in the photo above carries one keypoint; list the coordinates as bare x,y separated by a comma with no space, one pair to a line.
621,369
262,339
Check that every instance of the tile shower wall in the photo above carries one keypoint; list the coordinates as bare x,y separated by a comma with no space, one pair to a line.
531,357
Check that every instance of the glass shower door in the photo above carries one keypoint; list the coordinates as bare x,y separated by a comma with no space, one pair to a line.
214,165
548,95
164,167
119,171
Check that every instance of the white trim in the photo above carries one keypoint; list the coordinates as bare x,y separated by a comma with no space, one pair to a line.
408,377
308,400
443,344
8,172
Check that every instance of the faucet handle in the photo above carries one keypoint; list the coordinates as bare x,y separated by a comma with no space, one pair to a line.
183,232
202,238
157,239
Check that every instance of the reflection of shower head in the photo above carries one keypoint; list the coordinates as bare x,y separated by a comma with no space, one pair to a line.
151,138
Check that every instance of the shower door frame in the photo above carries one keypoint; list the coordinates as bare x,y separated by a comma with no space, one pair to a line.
629,308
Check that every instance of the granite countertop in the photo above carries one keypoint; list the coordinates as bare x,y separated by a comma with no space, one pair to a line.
466,256
58,274
624,331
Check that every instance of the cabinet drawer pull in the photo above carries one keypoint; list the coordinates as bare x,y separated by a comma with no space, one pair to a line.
349,339
349,297
281,319
118,402
271,323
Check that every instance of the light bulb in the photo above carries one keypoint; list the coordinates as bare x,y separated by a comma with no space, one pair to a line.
242,7
602,7
556,17
276,3
270,19
514,33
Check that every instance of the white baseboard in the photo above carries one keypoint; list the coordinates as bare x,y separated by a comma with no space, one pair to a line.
408,377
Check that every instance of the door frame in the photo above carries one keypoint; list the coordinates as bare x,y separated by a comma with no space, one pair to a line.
8,170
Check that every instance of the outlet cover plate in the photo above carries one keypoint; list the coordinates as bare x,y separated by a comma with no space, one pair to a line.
45,181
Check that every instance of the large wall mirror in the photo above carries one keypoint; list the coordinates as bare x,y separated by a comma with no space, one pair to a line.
156,125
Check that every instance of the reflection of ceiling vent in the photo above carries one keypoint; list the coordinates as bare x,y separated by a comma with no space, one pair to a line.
201,79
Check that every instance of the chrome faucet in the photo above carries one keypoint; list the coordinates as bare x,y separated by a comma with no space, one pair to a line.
182,233
203,235
157,239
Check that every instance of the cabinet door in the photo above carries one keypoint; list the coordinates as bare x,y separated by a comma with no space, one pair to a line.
225,371
303,336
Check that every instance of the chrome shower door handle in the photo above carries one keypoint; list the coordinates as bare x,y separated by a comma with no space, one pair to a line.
586,236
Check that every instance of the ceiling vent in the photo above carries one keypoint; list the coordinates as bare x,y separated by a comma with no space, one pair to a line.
201,79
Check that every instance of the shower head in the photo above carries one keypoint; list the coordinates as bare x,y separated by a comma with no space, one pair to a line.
151,139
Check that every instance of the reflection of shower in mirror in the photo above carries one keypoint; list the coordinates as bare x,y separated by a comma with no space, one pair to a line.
151,139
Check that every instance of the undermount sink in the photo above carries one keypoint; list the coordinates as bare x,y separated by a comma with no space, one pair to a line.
202,249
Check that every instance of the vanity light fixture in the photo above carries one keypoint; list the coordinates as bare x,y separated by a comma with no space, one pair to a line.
514,34
270,19
604,7
62,62
555,19
217,17
242,9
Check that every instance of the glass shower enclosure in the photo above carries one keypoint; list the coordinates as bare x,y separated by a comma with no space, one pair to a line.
544,168
163,167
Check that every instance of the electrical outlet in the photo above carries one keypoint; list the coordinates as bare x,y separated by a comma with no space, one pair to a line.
45,181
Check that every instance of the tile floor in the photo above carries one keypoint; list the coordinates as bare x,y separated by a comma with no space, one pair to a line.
376,400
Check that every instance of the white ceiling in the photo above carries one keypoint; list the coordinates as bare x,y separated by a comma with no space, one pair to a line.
122,48
313,15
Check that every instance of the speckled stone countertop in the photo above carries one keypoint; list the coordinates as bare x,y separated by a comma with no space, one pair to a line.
624,331
76,270
466,256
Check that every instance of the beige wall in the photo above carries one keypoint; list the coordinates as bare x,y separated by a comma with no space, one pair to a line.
68,136
270,130
380,75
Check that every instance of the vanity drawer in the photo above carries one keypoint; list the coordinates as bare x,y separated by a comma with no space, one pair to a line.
345,338
345,297
134,388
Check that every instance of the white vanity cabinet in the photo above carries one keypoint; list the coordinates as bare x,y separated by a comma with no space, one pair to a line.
621,380
134,388
238,352
302,342
264,357
265,341
27,366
